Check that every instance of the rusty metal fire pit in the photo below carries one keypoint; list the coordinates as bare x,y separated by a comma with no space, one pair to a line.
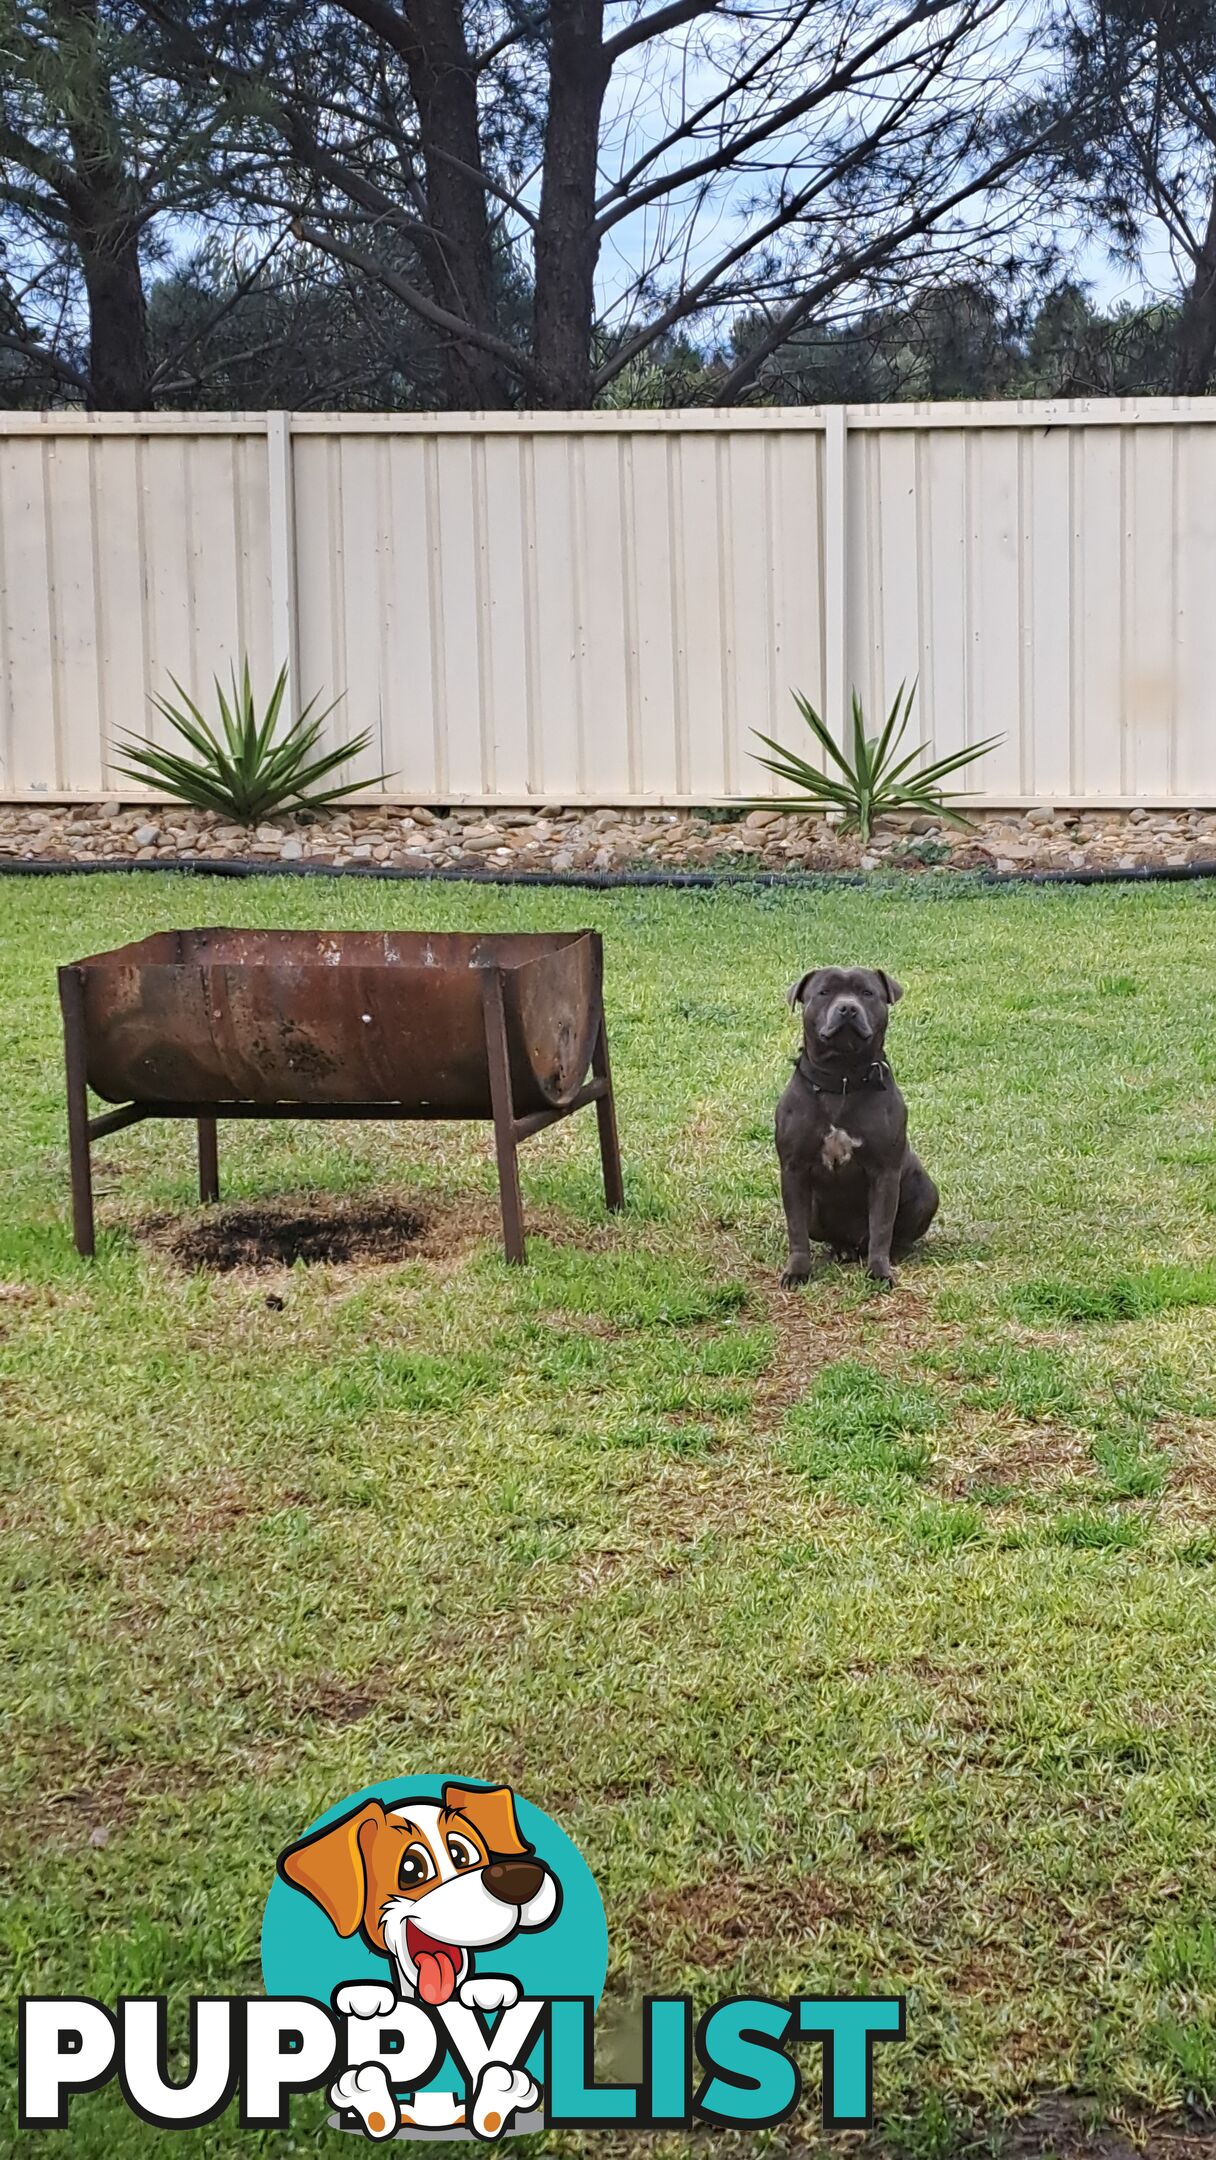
210,1024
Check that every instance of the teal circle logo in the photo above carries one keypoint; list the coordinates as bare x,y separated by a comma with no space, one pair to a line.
322,1926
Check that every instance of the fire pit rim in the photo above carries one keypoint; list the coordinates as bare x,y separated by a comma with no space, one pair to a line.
219,1023
487,948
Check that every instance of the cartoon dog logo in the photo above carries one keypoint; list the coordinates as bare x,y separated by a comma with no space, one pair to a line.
427,1884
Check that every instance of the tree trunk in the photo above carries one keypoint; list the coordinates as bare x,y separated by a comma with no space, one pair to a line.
1196,349
458,258
104,215
567,244
119,368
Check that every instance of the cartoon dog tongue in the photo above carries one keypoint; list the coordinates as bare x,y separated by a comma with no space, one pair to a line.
438,1967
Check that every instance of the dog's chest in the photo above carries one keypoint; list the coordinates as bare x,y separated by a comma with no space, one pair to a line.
841,1137
839,1148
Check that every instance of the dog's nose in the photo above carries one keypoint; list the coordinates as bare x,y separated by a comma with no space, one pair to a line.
513,1881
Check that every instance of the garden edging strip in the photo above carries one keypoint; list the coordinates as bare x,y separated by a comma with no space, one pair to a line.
605,880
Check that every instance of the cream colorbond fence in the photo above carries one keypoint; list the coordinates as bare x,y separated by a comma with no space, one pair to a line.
600,607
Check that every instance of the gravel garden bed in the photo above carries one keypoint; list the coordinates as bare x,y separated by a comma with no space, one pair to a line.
565,839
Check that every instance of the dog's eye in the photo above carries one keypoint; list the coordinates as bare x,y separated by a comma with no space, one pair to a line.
462,1855
416,1867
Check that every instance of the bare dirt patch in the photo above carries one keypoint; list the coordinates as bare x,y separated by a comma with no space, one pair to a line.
1031,1458
325,1699
186,1526
1190,1446
726,1497
333,1703
356,1232
77,1799
711,1923
657,1520
1059,2127
278,1234
810,1334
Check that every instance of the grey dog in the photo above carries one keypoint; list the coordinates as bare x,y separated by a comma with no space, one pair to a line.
848,1177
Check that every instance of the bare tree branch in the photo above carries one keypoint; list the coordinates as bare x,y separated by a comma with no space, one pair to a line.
422,305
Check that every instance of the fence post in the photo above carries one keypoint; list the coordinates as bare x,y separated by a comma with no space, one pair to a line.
284,631
836,569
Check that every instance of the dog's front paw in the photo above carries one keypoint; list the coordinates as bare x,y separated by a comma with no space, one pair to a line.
882,1273
365,1999
365,2091
796,1272
501,2092
490,1991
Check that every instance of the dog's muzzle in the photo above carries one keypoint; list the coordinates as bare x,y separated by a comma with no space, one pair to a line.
846,1018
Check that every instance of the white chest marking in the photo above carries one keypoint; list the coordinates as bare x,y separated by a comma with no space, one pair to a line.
838,1149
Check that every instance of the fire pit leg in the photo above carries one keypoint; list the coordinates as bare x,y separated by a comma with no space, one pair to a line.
605,1111
504,1115
208,1160
71,998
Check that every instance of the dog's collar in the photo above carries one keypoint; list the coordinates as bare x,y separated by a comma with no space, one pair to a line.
875,1076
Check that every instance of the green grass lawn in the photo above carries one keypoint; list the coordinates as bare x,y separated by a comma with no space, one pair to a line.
861,1642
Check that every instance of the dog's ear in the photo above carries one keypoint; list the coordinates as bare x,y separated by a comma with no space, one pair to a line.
492,1814
891,990
794,995
330,1867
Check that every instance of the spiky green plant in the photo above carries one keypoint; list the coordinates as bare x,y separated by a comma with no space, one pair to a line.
871,780
245,770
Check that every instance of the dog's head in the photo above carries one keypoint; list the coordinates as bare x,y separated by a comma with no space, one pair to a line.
426,1882
845,1010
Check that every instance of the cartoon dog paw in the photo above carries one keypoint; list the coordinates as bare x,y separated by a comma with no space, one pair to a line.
365,1999
365,2091
500,2093
492,1991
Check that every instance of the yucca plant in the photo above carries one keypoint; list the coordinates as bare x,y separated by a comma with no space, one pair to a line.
245,770
873,779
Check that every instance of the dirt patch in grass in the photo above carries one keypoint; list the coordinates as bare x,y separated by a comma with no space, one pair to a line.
15,1298
1059,2127
331,1702
179,1518
325,1698
80,1798
373,1230
711,1923
659,1522
1047,1459
280,1233
811,1333
86,1815
1026,1458
1191,1447
812,1330
690,1501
